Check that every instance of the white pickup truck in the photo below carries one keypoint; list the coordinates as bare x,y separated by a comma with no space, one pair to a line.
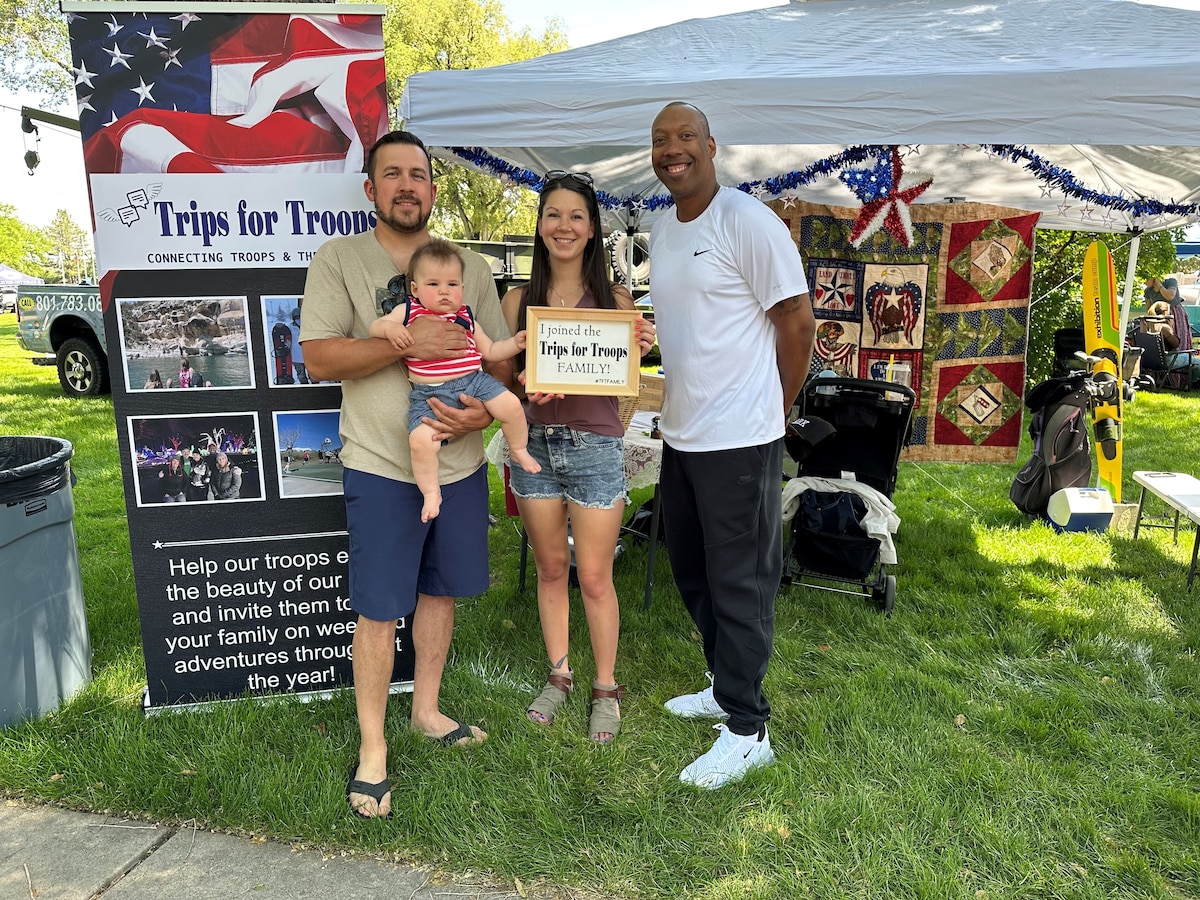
65,325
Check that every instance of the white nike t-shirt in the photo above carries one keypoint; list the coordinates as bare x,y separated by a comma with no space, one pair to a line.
713,280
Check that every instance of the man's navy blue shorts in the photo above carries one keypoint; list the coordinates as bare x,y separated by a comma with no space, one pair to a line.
394,555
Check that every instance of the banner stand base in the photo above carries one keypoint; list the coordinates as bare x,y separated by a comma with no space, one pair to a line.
396,687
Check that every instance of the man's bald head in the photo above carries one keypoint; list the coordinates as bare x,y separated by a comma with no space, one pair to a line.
691,107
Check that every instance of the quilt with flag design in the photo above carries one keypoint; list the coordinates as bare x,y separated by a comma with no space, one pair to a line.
953,306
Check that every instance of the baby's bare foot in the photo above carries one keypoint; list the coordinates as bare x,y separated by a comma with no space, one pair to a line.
432,506
525,461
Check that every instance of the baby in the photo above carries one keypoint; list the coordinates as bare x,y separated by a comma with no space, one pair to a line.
436,281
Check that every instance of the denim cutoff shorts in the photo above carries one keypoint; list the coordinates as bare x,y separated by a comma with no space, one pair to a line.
478,384
579,467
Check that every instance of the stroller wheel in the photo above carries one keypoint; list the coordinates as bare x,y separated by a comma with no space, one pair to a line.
884,594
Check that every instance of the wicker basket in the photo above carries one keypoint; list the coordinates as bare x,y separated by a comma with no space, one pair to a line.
651,398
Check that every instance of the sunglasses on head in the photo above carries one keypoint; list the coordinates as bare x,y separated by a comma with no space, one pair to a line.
397,293
554,175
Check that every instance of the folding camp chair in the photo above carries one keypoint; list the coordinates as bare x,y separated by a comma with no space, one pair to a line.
1156,363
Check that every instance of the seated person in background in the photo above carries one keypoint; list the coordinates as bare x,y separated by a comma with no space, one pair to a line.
436,275
1166,290
189,377
1171,323
185,376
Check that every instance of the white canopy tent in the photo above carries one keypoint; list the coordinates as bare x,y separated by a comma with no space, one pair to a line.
1108,90
10,277
1097,101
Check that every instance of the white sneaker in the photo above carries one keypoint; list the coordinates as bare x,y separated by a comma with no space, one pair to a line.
697,706
729,759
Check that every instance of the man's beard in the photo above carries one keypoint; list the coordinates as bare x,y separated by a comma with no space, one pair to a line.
393,222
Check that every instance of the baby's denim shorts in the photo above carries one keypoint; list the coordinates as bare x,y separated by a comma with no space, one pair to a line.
580,467
477,384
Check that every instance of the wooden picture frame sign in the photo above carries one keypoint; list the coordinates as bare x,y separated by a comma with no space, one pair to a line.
582,351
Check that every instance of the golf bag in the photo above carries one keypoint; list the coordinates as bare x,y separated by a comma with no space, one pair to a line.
1062,455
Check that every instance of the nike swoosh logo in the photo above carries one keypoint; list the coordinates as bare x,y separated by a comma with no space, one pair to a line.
698,252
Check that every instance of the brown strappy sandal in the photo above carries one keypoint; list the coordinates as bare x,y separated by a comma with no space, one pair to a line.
554,694
606,713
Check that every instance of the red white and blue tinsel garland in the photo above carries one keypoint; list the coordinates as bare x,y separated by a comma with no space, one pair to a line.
1051,176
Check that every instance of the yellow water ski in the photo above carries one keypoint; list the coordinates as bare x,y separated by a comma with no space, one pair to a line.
1102,339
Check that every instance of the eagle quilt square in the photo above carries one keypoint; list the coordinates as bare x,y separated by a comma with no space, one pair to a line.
894,303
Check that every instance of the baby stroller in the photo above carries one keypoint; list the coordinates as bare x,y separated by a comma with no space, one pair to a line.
849,434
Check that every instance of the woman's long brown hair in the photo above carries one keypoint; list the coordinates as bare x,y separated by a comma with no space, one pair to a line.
595,269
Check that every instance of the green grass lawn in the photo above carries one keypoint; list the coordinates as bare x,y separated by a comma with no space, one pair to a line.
1027,724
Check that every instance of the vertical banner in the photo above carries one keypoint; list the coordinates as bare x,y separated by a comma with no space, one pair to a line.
223,144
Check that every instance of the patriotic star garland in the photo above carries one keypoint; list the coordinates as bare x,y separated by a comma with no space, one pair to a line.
886,191
1052,178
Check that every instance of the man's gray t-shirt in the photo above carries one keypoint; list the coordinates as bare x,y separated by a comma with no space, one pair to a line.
347,280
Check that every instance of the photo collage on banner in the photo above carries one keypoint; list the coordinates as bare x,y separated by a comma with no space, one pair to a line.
195,459
281,336
185,342
222,149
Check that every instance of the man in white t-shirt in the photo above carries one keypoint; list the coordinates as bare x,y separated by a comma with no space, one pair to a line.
735,326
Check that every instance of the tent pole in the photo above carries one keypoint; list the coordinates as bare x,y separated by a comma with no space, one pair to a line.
632,216
630,231
1130,271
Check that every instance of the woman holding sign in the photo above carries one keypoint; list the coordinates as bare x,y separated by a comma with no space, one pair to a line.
578,440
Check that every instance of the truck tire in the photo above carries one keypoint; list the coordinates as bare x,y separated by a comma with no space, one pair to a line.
82,368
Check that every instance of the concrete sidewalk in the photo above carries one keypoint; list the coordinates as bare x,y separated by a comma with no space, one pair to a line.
49,853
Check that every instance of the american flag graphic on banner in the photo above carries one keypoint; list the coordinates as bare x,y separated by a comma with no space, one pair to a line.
218,92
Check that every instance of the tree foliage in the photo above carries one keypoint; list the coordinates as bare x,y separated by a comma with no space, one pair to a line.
456,34
70,248
37,57
465,34
1058,272
22,246
475,206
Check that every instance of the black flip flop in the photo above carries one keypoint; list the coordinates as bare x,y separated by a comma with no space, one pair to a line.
376,792
462,731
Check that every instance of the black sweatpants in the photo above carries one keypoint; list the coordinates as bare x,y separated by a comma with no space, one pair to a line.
723,519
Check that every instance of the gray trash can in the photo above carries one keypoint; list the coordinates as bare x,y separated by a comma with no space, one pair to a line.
45,651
